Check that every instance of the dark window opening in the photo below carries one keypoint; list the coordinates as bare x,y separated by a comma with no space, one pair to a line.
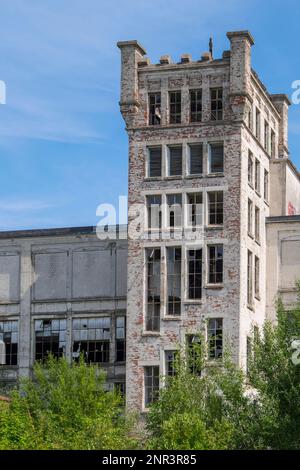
196,159
196,105
175,161
215,338
154,109
153,289
174,280
215,273
195,274
155,162
175,107
50,338
151,380
216,103
215,208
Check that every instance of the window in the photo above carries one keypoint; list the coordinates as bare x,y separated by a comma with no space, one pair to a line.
257,176
120,339
250,168
257,123
249,354
266,185
215,268
249,119
194,354
170,358
175,161
50,337
195,209
196,105
256,277
195,159
215,338
175,107
154,109
153,289
257,224
250,217
154,211
266,136
194,274
216,104
216,158
151,380
249,279
121,388
272,144
215,208
155,159
174,202
174,280
91,337
9,343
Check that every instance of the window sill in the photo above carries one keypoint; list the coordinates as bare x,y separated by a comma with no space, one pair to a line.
250,307
251,235
193,301
171,318
195,175
174,177
215,175
151,333
251,185
257,297
258,193
258,242
214,227
153,178
214,286
267,202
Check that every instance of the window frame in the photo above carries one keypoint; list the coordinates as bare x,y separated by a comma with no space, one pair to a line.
176,116
212,261
210,146
214,113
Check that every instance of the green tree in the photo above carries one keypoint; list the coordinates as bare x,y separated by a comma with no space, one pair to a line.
65,406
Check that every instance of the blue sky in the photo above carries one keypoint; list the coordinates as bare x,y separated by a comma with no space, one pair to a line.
63,148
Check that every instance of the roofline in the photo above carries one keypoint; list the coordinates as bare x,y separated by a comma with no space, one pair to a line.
264,90
279,219
56,232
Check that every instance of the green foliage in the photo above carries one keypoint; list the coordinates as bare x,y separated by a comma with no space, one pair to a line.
64,407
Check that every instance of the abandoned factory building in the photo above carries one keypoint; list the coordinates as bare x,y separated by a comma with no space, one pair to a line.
219,235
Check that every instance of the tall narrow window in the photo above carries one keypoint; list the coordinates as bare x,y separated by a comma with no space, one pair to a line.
215,338
250,168
195,209
249,119
196,105
194,354
250,217
50,337
174,280
170,358
266,185
257,176
195,274
257,123
9,339
91,338
175,160
256,277
257,224
273,144
266,136
215,208
154,109
120,339
216,158
249,353
174,202
154,211
250,278
153,289
215,266
175,107
216,104
154,162
151,381
195,159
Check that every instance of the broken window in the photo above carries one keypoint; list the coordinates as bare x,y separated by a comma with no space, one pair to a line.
151,381
195,159
194,354
120,339
175,107
174,280
250,168
215,338
50,338
256,277
154,211
215,268
170,358
175,160
215,208
216,158
174,202
154,109
196,105
216,104
257,176
249,278
91,338
9,343
195,209
195,274
154,162
153,289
